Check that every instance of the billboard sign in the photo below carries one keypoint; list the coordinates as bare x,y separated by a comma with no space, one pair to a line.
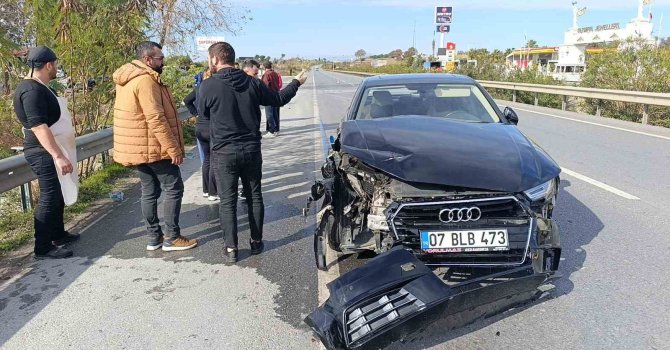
443,28
451,46
203,43
443,15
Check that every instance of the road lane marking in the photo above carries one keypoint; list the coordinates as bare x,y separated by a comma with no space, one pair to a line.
299,195
288,187
333,272
340,80
281,177
599,184
597,124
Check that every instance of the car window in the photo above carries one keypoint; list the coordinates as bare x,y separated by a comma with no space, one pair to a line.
458,102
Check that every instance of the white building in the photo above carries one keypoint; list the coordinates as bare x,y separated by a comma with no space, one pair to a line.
568,61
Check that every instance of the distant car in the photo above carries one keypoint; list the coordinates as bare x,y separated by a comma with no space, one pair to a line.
429,165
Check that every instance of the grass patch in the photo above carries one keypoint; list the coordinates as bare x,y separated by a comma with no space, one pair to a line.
188,129
17,228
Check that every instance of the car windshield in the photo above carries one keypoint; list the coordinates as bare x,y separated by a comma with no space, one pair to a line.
458,102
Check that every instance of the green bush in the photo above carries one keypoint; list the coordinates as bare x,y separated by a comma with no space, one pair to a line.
636,67
16,228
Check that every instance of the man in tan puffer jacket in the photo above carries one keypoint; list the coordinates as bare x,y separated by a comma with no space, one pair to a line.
148,136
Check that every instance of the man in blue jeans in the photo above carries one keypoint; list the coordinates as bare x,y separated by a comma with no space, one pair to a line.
231,100
148,136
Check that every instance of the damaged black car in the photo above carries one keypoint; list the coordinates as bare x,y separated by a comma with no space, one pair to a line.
430,174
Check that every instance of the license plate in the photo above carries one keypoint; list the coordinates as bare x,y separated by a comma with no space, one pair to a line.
459,241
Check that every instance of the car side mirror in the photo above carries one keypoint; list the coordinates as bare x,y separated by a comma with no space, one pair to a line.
511,115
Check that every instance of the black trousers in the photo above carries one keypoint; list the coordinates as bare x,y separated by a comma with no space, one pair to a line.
49,225
202,133
235,162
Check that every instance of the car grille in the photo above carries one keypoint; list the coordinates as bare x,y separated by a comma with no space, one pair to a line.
374,314
496,213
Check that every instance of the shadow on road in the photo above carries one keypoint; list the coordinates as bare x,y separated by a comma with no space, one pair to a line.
578,227
116,230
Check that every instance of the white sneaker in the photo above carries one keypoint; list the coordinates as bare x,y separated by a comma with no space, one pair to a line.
205,194
213,198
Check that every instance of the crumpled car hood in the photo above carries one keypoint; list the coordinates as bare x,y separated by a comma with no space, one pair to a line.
420,149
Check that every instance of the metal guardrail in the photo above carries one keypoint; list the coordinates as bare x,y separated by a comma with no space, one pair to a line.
646,99
356,73
15,171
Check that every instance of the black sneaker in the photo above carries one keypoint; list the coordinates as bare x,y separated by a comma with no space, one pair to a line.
241,195
256,247
67,238
56,253
231,257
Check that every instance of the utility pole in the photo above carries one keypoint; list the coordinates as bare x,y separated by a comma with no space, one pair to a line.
414,35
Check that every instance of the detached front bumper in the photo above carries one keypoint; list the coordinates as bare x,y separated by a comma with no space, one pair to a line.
395,294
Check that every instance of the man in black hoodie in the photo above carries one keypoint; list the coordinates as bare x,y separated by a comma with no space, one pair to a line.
231,100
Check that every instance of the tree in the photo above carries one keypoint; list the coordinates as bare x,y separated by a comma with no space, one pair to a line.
92,38
397,54
411,52
173,22
12,24
531,44
360,54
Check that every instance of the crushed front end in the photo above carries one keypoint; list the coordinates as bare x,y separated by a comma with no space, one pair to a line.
395,295
445,253
366,209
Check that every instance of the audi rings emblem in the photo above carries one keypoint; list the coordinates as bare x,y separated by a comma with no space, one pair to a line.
453,215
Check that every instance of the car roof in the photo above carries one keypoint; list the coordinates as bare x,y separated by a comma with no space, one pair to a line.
435,78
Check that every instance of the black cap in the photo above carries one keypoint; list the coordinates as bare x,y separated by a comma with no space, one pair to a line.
41,54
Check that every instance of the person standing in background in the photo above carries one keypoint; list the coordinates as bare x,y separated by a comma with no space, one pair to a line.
251,67
202,135
273,81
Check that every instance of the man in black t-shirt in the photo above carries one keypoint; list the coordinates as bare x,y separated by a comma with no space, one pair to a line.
37,109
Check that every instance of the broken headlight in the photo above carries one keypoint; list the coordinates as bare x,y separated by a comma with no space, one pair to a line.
542,197
545,191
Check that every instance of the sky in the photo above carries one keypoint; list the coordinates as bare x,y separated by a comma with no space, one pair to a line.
337,29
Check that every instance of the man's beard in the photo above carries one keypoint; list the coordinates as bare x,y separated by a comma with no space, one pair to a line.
159,69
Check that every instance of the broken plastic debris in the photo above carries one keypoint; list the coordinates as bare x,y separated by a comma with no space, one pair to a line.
116,196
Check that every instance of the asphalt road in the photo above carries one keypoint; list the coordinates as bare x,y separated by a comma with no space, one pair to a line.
612,210
614,289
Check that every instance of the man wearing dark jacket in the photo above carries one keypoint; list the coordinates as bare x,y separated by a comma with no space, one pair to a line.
231,99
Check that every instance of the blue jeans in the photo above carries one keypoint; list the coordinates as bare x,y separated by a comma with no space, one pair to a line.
272,117
208,178
156,178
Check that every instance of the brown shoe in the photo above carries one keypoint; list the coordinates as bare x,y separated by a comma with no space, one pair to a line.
179,243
